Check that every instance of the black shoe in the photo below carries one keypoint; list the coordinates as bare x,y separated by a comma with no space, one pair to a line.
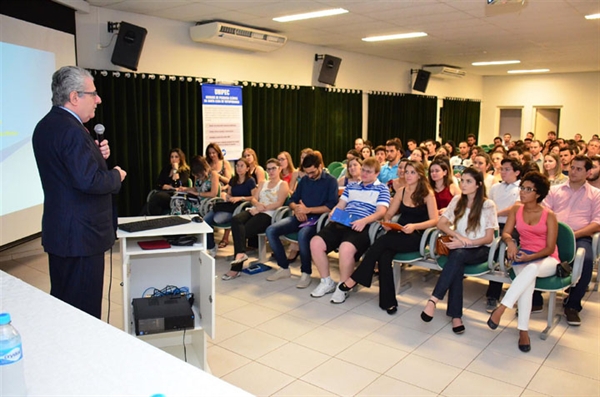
572,316
459,329
392,310
525,348
426,317
490,323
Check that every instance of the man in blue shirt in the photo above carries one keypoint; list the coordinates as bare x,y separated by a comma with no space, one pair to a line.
393,153
317,193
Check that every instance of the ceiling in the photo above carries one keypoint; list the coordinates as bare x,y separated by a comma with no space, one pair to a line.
550,34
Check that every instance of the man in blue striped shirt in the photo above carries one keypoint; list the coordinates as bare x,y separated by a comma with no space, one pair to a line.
366,202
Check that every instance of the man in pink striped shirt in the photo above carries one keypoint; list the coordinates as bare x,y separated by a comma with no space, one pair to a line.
577,204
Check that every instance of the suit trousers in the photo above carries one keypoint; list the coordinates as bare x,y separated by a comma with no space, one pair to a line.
78,281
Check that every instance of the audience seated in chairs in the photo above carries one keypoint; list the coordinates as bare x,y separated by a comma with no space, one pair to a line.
367,202
440,180
214,156
172,176
416,205
296,177
577,204
286,164
553,169
256,171
504,195
474,219
269,196
317,193
352,173
537,255
188,200
239,189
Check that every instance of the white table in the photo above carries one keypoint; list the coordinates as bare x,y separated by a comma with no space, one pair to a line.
70,353
187,266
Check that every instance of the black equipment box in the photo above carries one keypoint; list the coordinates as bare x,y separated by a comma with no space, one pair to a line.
162,314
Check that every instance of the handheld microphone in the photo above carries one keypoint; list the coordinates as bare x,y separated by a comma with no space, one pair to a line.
99,130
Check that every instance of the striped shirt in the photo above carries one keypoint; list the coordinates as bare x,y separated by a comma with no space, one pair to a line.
362,200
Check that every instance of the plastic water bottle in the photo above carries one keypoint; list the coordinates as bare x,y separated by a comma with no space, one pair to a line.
12,379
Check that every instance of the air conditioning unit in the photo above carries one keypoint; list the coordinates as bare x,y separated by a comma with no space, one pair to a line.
230,35
444,71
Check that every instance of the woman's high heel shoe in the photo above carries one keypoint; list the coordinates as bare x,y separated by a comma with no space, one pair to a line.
490,322
459,329
426,317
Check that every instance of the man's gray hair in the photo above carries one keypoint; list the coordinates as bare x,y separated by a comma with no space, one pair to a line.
66,80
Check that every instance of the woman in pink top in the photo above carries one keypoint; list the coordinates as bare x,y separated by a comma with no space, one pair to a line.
537,256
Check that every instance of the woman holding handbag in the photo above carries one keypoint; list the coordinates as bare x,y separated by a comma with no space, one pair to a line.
239,189
537,256
470,220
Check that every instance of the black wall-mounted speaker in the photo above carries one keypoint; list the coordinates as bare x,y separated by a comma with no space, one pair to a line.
329,69
422,80
129,45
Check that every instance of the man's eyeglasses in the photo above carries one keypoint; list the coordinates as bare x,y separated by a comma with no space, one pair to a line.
527,189
92,93
271,168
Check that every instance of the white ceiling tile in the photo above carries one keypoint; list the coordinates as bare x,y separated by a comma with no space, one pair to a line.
552,33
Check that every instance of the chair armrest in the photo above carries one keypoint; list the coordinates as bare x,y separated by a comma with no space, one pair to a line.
242,207
323,221
151,193
432,240
577,265
280,213
375,231
596,246
496,244
426,240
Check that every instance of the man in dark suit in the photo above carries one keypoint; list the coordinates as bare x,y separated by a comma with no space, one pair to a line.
77,225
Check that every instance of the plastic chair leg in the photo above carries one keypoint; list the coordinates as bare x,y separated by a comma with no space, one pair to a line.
262,248
399,287
553,319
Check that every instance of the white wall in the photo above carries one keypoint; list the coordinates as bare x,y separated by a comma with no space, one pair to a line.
169,50
577,94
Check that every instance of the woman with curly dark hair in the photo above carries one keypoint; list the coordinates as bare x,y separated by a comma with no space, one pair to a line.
537,255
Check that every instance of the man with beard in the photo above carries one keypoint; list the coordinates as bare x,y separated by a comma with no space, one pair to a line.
393,153
594,176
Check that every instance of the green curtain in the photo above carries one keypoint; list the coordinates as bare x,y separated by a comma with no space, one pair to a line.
145,115
291,118
404,116
459,117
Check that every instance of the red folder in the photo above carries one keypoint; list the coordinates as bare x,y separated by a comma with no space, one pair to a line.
154,244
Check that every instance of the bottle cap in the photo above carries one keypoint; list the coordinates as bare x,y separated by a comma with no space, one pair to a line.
4,318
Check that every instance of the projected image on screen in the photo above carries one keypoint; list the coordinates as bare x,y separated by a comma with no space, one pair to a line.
25,97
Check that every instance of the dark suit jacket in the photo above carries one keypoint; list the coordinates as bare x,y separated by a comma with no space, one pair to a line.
77,185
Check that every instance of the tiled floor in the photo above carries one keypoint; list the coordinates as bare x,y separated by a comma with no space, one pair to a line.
274,339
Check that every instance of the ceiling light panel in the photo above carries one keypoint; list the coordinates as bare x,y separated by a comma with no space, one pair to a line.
395,36
310,15
491,63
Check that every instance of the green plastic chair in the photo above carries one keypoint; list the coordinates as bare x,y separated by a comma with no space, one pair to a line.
567,252
333,165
